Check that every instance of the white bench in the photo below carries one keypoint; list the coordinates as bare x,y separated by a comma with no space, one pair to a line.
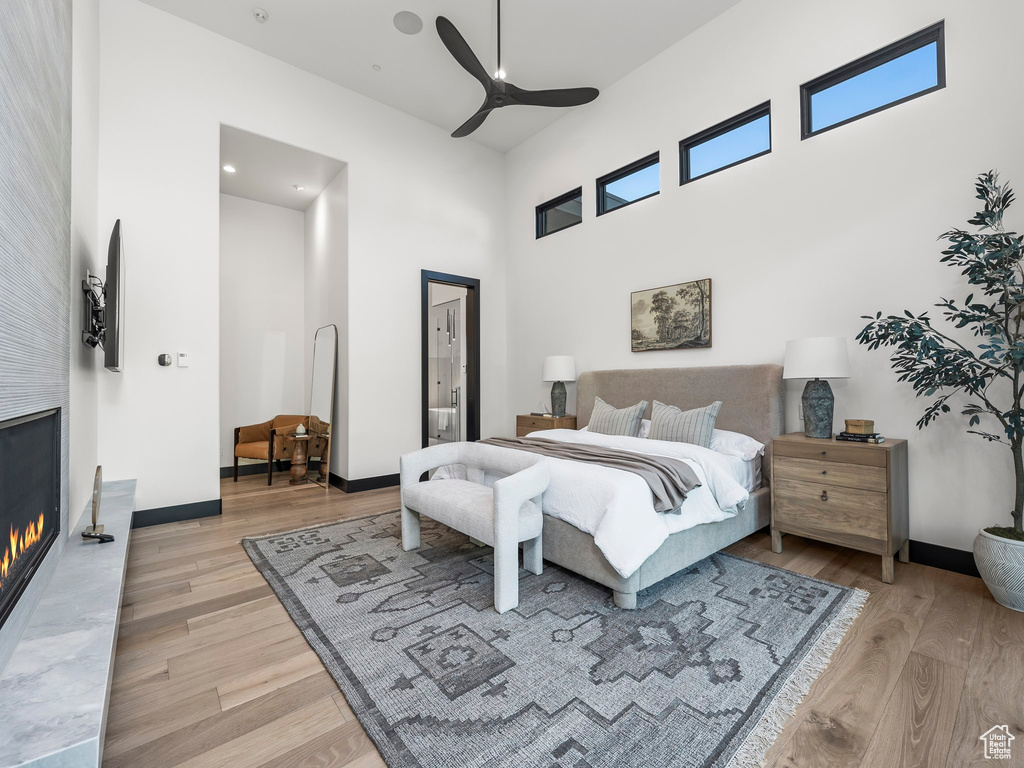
502,515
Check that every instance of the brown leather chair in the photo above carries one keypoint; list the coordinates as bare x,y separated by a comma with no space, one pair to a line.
267,441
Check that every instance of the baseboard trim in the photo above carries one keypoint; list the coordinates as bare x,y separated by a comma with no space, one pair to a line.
936,556
946,558
144,518
261,469
364,483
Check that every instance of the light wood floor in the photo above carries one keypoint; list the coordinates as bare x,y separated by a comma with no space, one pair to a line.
210,671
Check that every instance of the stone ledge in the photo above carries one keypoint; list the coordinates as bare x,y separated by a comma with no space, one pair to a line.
55,689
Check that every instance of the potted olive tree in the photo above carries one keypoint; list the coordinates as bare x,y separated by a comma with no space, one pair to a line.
988,371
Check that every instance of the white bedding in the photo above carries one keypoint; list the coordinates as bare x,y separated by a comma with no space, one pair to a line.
616,507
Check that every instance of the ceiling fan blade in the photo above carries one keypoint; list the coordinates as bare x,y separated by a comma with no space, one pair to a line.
460,50
554,97
471,125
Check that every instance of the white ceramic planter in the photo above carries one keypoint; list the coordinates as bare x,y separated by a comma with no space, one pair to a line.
1001,563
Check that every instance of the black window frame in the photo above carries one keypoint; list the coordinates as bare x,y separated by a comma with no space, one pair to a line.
720,129
621,173
935,33
543,209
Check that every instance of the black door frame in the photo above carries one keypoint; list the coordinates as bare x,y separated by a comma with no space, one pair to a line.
472,286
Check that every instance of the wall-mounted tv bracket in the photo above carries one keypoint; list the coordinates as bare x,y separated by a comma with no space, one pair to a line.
95,308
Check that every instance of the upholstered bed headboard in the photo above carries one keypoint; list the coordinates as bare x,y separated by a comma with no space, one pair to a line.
751,395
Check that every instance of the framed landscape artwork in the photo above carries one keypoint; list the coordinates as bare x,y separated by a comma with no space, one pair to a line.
673,317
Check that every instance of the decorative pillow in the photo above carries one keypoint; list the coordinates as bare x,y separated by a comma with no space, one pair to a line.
606,420
645,427
736,444
696,426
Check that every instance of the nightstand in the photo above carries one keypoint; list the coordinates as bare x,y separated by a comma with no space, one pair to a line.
525,424
852,494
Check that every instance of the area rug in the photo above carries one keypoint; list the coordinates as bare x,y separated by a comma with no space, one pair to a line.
703,673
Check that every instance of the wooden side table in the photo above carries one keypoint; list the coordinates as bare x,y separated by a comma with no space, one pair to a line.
852,494
525,423
298,458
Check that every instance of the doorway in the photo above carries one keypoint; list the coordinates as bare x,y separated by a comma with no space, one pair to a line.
450,354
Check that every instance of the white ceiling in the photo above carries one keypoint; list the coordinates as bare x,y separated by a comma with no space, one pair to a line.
267,170
545,44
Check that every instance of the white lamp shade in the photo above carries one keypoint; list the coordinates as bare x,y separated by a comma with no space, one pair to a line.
821,357
559,368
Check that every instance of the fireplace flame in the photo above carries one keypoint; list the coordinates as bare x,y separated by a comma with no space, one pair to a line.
19,544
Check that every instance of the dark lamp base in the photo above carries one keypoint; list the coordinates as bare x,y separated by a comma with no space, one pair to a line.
558,399
819,407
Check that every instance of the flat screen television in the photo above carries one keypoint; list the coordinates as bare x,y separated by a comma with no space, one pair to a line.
113,341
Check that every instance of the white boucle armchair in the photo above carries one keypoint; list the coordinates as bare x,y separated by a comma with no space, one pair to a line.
501,515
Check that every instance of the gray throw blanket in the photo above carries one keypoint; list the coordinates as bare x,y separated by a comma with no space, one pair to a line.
669,479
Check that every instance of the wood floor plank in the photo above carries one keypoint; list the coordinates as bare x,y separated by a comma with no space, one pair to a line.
206,735
267,678
142,726
917,723
273,739
334,749
952,623
994,686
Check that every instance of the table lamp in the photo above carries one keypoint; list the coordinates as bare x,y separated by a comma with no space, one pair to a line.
559,369
817,359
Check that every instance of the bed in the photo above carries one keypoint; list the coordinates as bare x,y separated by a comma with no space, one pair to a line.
752,397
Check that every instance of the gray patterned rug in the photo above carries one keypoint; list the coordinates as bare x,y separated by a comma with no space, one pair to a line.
703,673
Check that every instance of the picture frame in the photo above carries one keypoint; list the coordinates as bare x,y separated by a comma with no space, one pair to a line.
674,316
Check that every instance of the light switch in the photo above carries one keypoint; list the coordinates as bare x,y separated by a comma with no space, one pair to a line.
184,359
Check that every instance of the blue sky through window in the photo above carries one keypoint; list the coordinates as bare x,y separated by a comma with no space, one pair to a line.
904,76
738,144
639,184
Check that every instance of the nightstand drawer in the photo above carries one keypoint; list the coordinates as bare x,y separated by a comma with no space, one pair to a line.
533,423
846,516
867,478
525,424
830,451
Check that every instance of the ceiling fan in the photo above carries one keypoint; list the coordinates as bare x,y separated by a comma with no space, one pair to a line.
500,93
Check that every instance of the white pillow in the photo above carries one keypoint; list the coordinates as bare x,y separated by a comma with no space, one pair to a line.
736,444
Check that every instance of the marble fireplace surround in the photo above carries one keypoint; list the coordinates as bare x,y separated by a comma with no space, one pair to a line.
55,688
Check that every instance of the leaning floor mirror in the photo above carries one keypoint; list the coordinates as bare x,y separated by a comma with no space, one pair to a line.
321,399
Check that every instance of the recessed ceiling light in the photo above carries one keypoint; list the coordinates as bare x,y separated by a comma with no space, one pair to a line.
229,168
298,187
408,23
260,15
375,67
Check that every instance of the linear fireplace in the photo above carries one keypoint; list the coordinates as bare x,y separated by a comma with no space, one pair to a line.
29,500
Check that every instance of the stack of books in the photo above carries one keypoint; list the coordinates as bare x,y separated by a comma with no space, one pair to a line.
860,431
852,437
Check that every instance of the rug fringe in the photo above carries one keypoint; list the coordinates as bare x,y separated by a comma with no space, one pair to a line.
755,747
752,753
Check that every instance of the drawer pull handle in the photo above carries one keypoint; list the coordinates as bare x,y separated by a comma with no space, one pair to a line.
824,495
824,471
824,453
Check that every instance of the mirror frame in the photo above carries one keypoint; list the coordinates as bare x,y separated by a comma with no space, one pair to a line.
330,420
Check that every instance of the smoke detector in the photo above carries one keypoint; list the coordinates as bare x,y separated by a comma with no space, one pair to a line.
260,15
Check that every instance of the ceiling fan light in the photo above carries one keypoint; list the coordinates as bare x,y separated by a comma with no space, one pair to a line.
499,75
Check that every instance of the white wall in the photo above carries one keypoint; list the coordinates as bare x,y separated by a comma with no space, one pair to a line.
417,199
326,268
801,242
87,250
262,329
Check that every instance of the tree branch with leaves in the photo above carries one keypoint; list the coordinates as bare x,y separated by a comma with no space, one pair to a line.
989,371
